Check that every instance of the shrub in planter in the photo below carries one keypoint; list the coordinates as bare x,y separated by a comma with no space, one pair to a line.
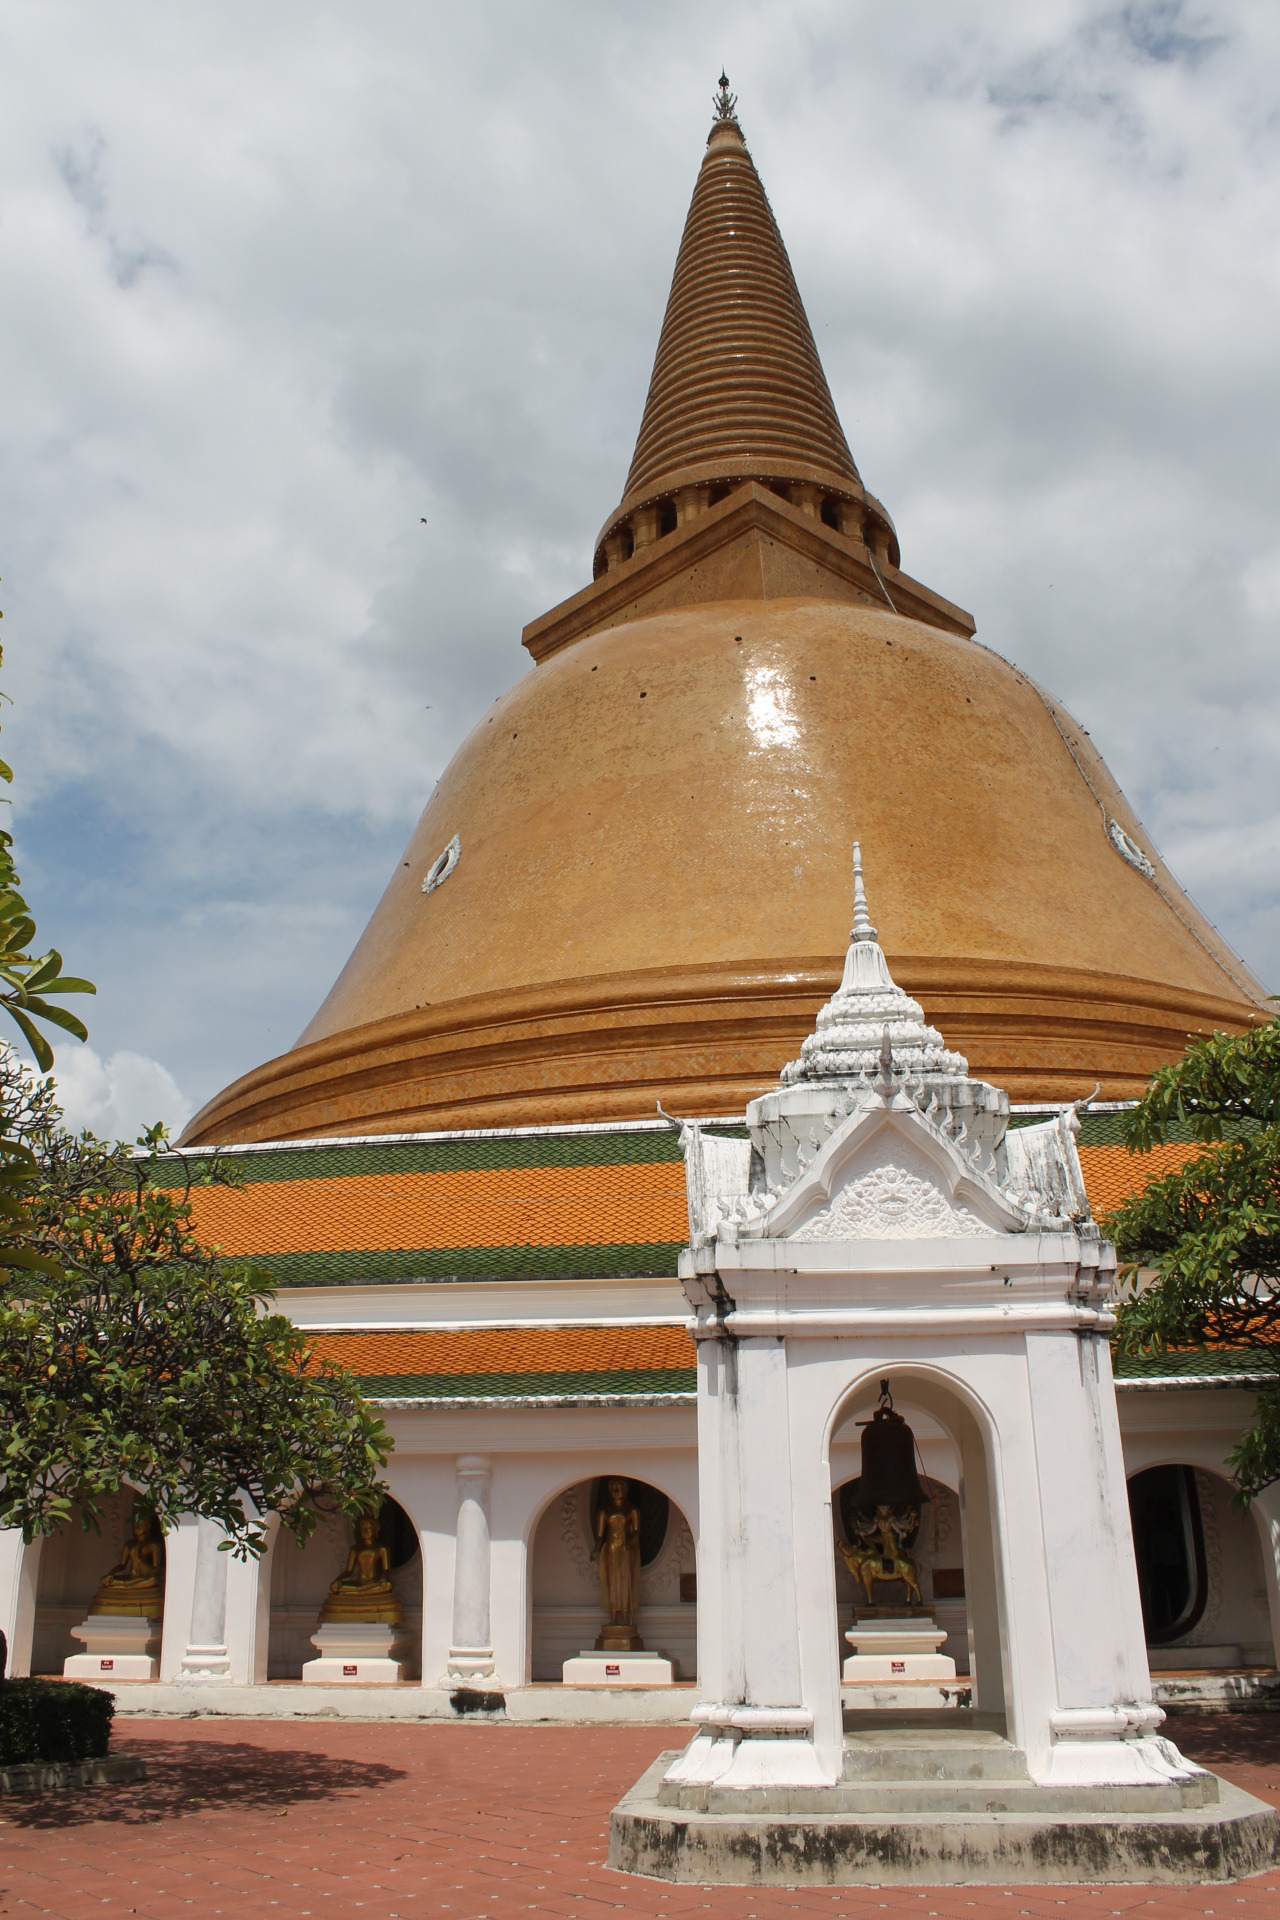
53,1720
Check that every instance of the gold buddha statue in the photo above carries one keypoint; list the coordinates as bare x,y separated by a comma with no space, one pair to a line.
363,1591
617,1549
135,1585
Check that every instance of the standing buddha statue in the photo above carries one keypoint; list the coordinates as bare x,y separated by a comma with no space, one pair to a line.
617,1548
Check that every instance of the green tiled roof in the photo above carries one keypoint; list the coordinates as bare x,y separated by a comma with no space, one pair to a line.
650,1259
1247,1364
455,1154
611,1383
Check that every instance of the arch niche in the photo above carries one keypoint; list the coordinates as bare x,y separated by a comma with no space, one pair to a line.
959,1542
300,1578
69,1568
564,1585
1201,1572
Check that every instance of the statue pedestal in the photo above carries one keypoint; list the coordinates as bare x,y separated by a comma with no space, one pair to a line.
118,1646
885,1650
592,1669
355,1650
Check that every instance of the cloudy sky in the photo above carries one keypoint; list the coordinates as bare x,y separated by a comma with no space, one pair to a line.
276,282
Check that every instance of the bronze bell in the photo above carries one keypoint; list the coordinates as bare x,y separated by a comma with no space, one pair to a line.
889,1477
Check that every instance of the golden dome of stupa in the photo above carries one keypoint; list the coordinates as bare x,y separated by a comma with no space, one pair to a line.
632,884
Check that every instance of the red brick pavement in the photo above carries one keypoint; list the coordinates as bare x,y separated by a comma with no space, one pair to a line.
389,1822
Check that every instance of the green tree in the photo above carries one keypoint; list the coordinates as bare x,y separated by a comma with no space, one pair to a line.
29,979
1210,1233
25,982
139,1358
130,1355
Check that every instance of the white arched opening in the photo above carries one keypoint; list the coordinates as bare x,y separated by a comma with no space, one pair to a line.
298,1580
962,1539
1201,1571
69,1566
564,1586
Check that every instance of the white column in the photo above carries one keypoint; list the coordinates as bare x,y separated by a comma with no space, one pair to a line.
19,1568
206,1661
1266,1515
471,1650
754,1727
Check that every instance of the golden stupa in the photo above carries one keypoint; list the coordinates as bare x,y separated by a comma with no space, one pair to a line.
631,883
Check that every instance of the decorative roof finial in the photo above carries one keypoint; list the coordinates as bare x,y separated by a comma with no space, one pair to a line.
725,103
862,927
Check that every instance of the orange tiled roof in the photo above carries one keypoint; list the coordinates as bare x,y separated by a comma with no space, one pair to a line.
457,1207
516,1362
1112,1173
498,1349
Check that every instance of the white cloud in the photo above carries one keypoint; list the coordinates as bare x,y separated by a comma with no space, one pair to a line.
279,282
117,1097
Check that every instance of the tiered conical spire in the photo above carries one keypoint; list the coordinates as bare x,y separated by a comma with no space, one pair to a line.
738,389
867,1007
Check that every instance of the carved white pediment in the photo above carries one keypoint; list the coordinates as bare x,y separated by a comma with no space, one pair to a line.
888,1174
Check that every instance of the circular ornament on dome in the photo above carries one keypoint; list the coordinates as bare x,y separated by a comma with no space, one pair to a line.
1128,849
441,867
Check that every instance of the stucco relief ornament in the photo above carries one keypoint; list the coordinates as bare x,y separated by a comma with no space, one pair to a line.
846,1043
1128,849
890,1203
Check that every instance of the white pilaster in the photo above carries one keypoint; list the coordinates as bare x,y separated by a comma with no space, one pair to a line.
206,1661
471,1660
19,1570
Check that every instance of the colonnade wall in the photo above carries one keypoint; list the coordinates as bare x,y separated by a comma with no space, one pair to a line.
542,1580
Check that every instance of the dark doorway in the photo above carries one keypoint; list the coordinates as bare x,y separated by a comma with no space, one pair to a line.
1168,1543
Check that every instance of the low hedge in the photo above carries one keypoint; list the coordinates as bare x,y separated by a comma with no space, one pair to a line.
53,1720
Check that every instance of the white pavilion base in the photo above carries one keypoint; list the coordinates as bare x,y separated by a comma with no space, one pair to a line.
933,1800
592,1669
355,1651
890,1651
118,1646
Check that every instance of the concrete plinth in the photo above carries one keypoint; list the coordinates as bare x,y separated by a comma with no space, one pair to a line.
117,1647
887,1651
352,1651
873,1696
592,1669
942,1805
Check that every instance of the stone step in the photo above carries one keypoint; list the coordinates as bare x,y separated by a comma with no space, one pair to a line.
925,1754
897,1800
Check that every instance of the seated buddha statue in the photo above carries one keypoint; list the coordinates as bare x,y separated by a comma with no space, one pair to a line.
135,1585
363,1590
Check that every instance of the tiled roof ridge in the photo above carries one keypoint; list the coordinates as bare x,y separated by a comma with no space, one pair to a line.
247,1147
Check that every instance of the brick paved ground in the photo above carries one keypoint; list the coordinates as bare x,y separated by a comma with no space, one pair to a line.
385,1822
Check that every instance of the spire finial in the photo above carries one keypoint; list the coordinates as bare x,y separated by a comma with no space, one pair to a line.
725,103
862,927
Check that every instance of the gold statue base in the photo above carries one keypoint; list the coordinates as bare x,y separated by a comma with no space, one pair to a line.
389,1614
619,1638
909,1610
146,1606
